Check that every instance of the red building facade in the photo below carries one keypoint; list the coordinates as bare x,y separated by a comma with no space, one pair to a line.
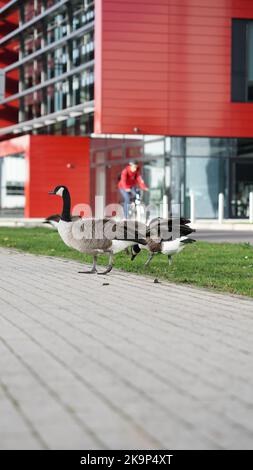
164,68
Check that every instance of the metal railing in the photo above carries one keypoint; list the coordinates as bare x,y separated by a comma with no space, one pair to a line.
32,22
43,121
221,207
54,45
49,82
8,5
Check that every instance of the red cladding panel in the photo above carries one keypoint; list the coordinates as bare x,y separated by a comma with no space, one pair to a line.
164,67
52,161
56,160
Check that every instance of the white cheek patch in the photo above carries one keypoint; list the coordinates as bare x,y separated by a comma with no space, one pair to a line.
60,192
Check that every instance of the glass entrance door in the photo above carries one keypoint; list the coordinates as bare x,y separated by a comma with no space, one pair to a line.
241,184
12,181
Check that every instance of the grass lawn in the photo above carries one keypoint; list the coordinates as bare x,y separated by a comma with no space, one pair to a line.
225,267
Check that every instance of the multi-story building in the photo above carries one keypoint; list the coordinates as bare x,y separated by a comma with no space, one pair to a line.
92,84
51,66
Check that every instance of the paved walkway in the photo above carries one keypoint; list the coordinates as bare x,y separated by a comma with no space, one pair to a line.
224,236
131,364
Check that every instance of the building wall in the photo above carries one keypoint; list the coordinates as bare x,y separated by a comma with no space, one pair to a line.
52,161
164,67
57,160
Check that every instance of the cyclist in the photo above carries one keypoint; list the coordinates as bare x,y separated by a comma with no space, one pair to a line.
130,178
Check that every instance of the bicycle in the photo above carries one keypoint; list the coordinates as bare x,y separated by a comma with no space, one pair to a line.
136,210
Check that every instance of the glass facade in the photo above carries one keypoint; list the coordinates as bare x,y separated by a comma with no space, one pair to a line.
176,166
153,153
216,166
250,61
242,60
12,181
56,62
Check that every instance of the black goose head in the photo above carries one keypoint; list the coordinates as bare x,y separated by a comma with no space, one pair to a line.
135,249
59,191
64,193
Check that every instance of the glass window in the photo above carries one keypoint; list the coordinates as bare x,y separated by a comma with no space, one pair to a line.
167,144
153,174
57,27
29,11
83,49
241,172
154,148
14,188
206,147
243,147
206,177
58,95
242,60
83,12
250,61
57,62
76,89
50,99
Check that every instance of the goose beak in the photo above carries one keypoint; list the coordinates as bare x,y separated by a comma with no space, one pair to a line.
51,192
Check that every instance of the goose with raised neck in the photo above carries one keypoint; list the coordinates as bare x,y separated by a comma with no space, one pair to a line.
92,242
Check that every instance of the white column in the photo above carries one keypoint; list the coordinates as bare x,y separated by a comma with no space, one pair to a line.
165,207
192,207
251,206
221,208
99,207
100,183
2,84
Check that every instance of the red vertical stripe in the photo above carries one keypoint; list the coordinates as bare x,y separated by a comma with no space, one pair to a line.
166,68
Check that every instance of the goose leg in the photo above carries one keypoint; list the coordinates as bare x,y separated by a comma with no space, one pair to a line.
149,259
93,269
109,267
170,259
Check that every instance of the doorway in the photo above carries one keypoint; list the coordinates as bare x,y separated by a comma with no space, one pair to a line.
12,181
241,184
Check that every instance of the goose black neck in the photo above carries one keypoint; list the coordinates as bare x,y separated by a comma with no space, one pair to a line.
66,206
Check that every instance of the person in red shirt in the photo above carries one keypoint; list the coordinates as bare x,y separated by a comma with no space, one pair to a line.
129,180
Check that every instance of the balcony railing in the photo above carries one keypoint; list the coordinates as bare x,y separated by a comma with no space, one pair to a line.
52,46
6,8
49,119
47,83
32,22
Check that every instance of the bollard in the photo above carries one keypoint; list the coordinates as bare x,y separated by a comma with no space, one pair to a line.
192,207
99,207
221,208
165,207
251,207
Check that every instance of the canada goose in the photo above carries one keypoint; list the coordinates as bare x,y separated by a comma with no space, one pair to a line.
54,219
159,238
93,236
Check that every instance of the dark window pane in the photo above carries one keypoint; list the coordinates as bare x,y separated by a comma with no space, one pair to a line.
14,189
239,63
250,91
